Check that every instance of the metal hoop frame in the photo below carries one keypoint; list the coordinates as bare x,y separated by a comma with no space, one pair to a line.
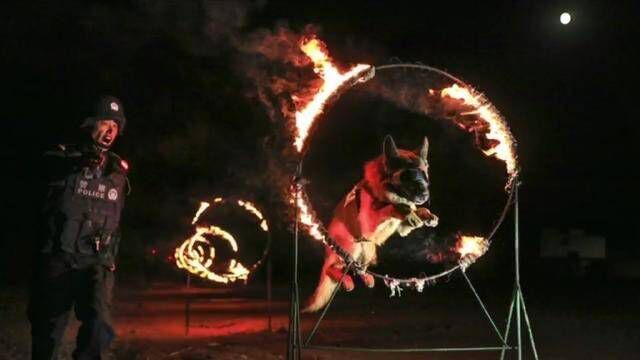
425,279
295,344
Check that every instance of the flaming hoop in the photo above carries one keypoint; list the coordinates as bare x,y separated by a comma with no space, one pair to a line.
197,254
456,101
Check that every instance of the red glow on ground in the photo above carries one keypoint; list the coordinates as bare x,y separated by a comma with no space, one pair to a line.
159,314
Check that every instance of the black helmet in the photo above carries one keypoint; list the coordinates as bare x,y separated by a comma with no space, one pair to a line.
108,108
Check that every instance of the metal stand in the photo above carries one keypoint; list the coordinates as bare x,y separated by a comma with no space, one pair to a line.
187,307
295,344
268,296
295,338
518,298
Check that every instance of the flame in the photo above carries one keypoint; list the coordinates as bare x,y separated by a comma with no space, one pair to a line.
470,245
332,78
203,206
191,256
332,81
254,210
498,130
238,270
307,218
197,254
502,142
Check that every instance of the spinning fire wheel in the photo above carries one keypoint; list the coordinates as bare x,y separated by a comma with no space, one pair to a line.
197,254
442,96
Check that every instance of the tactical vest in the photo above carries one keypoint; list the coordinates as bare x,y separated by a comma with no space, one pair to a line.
87,207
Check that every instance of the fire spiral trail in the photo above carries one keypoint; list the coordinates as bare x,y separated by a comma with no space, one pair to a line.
197,254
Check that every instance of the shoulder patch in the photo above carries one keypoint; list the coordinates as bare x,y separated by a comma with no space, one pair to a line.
124,165
119,162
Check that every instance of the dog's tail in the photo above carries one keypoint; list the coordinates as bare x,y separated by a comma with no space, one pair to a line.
322,294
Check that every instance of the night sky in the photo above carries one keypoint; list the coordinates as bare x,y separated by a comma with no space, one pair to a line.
185,71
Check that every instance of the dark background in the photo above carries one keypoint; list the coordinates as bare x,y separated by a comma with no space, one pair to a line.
196,127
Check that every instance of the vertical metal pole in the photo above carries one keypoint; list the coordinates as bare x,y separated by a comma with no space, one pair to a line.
269,293
298,335
187,307
293,349
517,231
517,255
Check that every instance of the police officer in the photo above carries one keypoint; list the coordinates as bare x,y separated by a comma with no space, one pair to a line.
87,184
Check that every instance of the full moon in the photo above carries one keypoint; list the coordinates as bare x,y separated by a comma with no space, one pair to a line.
565,18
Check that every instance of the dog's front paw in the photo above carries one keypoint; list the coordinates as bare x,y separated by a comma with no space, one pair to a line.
430,219
414,220
433,222
368,279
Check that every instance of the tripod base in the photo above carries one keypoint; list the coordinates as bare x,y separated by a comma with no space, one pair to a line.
518,304
295,336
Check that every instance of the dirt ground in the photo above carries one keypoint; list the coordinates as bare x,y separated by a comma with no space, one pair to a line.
579,321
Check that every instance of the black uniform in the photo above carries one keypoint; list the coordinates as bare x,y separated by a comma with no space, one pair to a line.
77,258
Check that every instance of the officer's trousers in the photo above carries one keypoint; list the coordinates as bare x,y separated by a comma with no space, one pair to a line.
59,285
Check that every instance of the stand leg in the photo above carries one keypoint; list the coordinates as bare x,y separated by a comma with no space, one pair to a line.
326,308
484,308
187,307
519,324
269,294
506,331
526,319
293,349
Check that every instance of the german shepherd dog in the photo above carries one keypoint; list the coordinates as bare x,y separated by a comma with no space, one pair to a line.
385,202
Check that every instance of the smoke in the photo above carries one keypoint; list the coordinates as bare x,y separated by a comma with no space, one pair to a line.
421,245
224,19
265,67
274,70
408,88
266,62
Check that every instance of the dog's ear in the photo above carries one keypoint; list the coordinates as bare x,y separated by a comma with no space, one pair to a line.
424,150
389,150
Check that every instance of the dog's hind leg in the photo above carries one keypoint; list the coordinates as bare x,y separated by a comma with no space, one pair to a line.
368,256
335,271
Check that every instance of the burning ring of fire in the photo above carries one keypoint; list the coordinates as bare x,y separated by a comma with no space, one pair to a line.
197,254
470,110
